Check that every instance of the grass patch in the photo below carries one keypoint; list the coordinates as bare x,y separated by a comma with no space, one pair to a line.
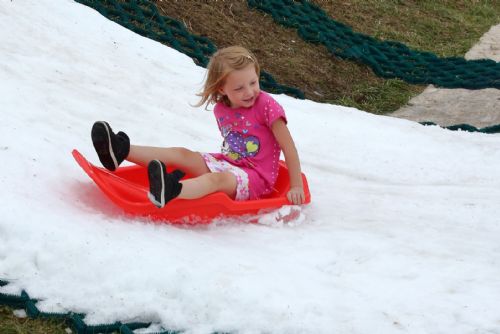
447,28
386,96
10,324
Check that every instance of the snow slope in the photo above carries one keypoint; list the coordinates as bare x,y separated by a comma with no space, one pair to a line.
401,236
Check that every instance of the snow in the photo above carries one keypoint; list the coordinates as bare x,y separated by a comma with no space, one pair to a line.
401,235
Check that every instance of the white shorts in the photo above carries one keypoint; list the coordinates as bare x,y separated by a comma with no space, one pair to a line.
216,165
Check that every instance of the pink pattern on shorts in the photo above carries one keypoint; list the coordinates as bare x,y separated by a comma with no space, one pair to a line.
215,165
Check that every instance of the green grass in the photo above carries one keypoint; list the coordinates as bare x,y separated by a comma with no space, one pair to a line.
445,27
10,324
382,98
448,28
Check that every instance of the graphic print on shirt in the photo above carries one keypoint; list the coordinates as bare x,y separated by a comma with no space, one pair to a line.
237,145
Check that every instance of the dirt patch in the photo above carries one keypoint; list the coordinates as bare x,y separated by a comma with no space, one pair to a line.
281,52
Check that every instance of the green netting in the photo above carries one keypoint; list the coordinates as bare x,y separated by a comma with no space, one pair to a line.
143,17
468,127
387,59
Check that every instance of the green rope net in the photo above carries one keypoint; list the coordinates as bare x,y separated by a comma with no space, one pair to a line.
468,127
387,59
143,17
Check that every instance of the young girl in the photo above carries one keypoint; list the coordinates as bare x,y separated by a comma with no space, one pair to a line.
254,129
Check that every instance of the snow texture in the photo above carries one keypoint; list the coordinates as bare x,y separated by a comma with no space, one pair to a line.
402,234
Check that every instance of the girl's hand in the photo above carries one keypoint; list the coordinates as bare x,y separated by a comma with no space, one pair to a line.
296,195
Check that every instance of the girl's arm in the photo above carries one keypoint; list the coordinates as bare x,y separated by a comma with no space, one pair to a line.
282,134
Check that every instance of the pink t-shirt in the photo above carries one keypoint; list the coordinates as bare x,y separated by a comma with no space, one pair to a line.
249,142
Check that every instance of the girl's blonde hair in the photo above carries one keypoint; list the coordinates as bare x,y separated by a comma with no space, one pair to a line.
221,64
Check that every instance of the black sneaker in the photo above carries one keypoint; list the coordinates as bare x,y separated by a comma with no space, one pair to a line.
111,148
163,186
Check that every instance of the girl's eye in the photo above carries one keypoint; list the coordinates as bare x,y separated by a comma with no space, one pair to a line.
239,88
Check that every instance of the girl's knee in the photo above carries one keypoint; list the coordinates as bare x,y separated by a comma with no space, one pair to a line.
182,152
222,178
225,182
191,161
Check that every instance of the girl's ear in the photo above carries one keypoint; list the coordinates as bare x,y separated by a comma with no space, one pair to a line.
221,91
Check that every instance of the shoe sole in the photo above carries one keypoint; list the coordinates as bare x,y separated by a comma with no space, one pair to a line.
101,138
156,175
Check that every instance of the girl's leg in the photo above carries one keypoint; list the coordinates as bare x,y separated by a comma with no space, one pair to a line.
163,186
113,148
209,183
180,157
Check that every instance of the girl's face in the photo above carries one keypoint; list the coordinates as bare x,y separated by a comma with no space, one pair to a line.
241,87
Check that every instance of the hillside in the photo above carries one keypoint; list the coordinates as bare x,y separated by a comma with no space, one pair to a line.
447,28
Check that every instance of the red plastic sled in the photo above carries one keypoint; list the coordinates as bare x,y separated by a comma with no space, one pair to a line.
128,186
